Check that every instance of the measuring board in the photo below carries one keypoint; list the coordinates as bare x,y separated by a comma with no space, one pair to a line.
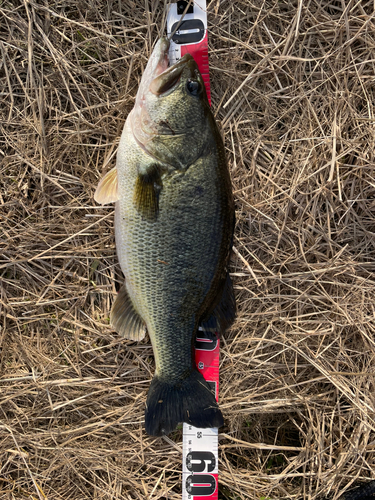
191,36
200,446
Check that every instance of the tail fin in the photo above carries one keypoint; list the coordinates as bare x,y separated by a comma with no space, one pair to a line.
189,400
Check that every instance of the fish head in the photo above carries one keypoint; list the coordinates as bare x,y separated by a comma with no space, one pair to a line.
170,117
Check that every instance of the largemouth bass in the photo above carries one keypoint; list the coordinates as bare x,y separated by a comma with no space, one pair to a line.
174,222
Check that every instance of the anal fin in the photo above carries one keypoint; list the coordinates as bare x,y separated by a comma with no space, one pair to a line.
125,319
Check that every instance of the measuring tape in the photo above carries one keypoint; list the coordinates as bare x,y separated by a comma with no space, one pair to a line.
200,446
191,36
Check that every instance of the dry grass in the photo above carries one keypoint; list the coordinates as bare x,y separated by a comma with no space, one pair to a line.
293,86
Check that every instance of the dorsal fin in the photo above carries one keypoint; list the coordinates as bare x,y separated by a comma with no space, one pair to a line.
224,313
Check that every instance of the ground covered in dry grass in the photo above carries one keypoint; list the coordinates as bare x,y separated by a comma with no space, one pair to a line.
293,87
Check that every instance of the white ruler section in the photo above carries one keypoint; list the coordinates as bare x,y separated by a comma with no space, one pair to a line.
200,463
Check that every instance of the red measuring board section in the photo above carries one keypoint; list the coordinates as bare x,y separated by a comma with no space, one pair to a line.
207,347
200,53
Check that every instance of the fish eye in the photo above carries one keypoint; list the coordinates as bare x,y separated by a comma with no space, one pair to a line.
193,87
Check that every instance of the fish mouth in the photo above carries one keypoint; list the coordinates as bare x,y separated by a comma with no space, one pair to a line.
167,79
159,79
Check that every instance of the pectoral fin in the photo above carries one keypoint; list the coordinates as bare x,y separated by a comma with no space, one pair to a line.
107,190
125,319
146,191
